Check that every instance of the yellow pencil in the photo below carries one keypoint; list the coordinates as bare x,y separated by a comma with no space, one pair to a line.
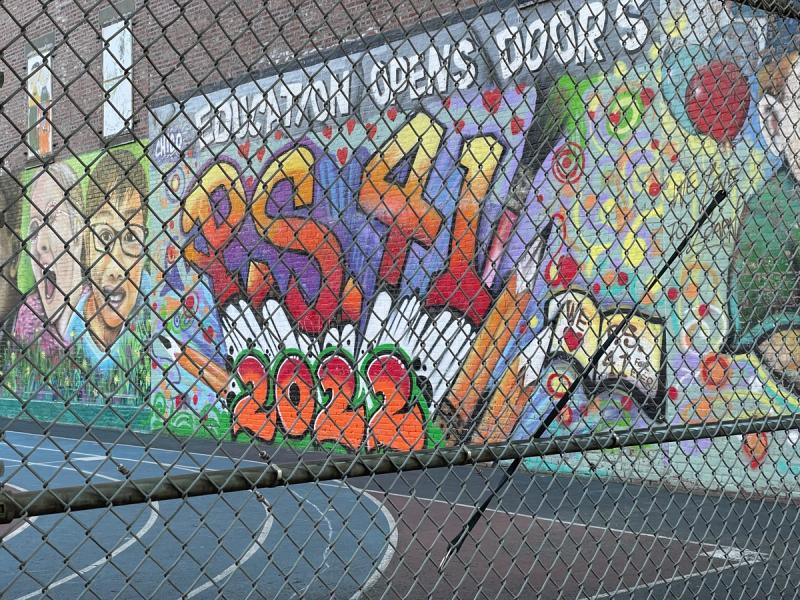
492,338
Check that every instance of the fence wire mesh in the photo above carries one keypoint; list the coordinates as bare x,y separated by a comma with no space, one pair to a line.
344,299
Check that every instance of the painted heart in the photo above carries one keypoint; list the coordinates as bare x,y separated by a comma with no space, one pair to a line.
249,182
371,130
351,124
755,447
391,113
572,339
244,150
278,135
208,333
517,125
261,152
647,95
341,154
521,87
446,102
327,131
615,118
491,100
459,126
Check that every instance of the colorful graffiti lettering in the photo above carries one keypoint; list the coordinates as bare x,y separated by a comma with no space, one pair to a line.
377,405
434,258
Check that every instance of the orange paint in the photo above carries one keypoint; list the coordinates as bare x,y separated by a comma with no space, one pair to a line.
715,371
460,286
205,369
320,244
294,395
217,229
399,203
505,406
485,353
756,449
339,421
259,283
398,424
251,414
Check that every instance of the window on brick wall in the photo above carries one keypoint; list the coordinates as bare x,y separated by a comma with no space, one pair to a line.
117,68
39,101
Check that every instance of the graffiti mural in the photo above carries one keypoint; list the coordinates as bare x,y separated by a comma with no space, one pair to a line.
78,330
652,145
307,261
425,242
39,104
9,258
410,218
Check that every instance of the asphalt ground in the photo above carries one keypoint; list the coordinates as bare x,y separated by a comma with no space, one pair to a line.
549,536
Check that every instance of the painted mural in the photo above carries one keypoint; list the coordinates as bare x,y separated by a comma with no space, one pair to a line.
75,333
425,242
351,224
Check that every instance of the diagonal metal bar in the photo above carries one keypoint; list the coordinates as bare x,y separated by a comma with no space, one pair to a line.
458,541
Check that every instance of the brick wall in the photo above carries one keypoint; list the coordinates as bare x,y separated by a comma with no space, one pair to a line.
178,47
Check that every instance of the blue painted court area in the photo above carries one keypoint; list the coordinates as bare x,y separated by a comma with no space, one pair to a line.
307,541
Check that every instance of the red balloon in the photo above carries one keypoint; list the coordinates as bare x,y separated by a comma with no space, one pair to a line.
717,100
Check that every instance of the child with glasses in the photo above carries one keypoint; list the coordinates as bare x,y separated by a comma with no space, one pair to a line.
114,259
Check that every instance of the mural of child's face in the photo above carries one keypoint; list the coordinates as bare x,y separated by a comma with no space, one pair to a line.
54,245
780,121
116,258
9,294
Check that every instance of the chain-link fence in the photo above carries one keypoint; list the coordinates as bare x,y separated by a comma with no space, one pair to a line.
336,298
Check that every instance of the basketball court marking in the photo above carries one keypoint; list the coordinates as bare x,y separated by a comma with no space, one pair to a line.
372,565
687,555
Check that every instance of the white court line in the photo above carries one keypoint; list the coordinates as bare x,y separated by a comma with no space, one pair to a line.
727,551
140,448
251,550
391,543
325,554
666,581
563,521
116,552
98,457
134,538
21,528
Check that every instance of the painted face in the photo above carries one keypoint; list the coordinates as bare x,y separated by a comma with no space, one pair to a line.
9,294
780,120
116,258
54,245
